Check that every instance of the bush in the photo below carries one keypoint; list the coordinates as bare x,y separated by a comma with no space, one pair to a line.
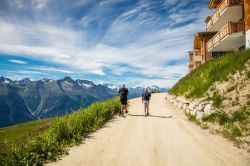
232,125
232,134
231,88
66,131
239,116
210,118
223,118
220,117
217,100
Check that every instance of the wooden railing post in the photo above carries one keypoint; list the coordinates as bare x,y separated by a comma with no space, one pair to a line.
230,28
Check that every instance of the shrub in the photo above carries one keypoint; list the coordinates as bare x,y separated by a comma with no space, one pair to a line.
220,117
223,118
231,88
210,118
217,100
193,119
239,116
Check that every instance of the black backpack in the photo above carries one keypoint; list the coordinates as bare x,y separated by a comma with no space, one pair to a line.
124,92
146,96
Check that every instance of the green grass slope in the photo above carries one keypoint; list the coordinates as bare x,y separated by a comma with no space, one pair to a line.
196,83
56,135
22,133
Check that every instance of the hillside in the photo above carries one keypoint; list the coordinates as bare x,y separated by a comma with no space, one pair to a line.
196,83
35,142
217,96
22,133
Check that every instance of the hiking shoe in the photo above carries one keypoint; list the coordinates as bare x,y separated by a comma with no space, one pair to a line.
148,114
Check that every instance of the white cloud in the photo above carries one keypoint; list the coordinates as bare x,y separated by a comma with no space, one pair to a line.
51,69
140,43
98,72
18,61
29,72
85,21
40,4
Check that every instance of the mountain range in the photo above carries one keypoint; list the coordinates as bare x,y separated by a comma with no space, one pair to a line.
26,100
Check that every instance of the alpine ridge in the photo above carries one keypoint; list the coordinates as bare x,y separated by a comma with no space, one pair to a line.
26,100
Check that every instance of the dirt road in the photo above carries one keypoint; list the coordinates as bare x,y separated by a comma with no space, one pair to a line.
165,138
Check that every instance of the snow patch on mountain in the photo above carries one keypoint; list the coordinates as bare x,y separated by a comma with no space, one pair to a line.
85,85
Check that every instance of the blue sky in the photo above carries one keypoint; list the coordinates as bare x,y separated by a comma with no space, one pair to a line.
137,42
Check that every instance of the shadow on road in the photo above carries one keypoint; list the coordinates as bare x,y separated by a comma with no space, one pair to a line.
156,116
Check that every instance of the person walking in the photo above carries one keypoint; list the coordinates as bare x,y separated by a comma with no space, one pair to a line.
123,92
146,96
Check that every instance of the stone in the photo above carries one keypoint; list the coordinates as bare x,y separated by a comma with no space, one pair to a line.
199,115
186,101
168,96
195,103
180,99
187,111
200,107
175,103
208,110
180,105
184,107
192,112
191,106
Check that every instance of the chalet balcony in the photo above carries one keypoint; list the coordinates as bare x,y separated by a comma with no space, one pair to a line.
228,10
229,38
197,56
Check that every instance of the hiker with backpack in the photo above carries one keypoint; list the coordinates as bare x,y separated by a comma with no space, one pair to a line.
123,92
146,96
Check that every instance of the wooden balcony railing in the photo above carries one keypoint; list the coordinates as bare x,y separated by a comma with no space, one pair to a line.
228,29
224,4
197,53
224,31
216,38
220,9
209,23
215,16
209,44
236,27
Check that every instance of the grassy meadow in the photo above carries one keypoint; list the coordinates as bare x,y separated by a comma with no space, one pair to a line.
22,133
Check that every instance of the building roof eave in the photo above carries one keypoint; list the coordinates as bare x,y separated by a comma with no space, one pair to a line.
214,3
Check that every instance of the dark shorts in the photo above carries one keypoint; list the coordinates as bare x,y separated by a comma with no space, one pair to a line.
124,101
